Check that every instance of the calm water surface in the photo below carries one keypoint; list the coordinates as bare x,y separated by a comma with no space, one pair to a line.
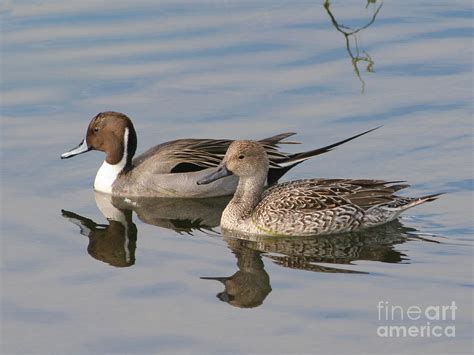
85,274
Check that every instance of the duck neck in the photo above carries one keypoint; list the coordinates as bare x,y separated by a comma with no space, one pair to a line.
108,172
246,197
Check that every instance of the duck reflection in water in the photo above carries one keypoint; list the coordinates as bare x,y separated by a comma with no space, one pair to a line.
115,243
250,285
184,216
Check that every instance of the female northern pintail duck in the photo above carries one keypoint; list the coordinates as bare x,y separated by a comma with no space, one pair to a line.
171,169
303,207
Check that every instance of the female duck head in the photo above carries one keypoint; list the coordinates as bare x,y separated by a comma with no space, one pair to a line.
112,133
245,159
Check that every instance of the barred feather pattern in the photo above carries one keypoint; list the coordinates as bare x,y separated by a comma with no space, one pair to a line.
318,206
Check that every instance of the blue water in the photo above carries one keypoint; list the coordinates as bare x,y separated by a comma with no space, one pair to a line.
74,283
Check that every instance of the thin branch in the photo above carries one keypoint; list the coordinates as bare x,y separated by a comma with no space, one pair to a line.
369,23
347,32
340,27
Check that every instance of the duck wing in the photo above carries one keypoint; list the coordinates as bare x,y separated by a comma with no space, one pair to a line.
319,206
187,155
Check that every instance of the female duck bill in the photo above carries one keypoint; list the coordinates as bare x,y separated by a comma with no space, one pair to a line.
219,173
81,148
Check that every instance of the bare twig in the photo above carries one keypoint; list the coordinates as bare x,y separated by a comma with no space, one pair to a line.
348,32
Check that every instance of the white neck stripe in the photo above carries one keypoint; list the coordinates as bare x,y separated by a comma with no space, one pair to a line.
108,173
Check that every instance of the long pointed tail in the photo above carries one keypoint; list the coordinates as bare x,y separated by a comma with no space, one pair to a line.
284,162
388,211
419,200
300,157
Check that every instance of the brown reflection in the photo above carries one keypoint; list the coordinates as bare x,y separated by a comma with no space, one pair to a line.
114,243
357,56
180,215
249,286
375,244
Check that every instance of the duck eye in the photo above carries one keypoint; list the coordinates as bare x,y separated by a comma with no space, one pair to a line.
241,156
96,129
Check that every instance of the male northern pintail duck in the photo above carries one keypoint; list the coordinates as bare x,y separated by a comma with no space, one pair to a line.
172,169
303,207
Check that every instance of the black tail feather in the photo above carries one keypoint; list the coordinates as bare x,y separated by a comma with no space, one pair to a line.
275,173
299,157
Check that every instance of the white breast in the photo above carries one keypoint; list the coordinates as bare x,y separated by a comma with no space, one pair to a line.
106,176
